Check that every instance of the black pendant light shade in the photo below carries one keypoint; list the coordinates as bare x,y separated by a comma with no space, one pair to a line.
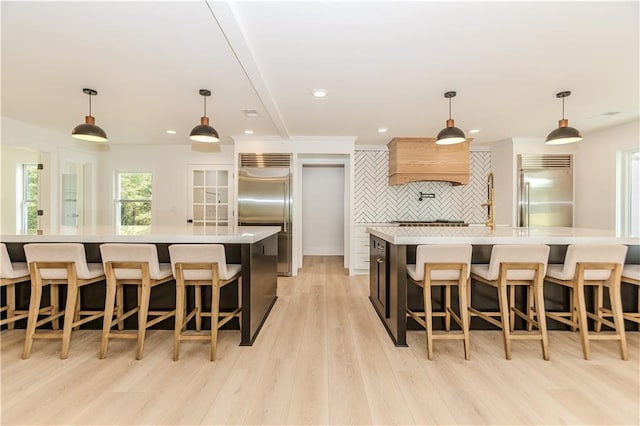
88,131
203,132
451,134
563,134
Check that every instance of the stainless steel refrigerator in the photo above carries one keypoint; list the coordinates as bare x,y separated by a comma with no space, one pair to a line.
264,198
545,190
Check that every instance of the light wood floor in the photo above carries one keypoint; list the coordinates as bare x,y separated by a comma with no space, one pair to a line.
323,357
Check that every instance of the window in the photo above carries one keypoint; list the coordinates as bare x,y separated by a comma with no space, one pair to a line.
133,200
28,193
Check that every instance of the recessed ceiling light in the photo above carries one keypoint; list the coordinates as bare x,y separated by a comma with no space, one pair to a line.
248,132
382,130
171,132
319,93
474,130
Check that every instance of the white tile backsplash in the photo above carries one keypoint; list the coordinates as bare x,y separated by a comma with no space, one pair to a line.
377,201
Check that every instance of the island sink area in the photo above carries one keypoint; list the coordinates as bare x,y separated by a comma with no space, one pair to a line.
393,247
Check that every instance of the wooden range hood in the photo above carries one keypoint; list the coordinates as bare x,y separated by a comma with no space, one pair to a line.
420,159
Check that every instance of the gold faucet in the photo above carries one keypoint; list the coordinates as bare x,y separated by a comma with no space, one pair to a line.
490,204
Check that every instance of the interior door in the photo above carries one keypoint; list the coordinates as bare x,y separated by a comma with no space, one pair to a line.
72,203
210,197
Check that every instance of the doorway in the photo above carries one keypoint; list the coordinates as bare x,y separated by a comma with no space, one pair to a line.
323,207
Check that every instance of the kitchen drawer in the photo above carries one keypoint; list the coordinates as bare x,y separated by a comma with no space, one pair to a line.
361,245
361,261
360,231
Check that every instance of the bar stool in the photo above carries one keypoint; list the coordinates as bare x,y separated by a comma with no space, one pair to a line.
591,265
11,273
202,265
131,264
54,264
511,266
442,265
631,275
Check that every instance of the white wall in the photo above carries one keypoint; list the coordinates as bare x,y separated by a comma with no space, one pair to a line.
595,174
169,167
323,210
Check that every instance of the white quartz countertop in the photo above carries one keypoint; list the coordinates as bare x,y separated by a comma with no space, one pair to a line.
147,234
501,235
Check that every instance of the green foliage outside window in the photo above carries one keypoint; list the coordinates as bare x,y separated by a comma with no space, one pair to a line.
135,199
30,197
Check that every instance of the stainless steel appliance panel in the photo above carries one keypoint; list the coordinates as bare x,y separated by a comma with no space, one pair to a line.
264,198
545,194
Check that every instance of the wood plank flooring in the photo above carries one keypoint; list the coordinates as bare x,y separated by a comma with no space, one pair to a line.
322,357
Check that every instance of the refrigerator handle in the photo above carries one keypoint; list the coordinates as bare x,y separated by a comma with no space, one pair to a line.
527,200
285,208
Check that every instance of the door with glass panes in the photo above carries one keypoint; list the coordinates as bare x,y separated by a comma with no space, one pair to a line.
210,195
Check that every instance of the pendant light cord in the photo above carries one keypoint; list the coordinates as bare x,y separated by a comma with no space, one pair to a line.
89,104
204,98
449,108
563,108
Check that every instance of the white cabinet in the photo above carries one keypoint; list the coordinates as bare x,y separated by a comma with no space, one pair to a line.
360,249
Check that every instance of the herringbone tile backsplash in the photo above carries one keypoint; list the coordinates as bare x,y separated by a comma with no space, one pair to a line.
376,201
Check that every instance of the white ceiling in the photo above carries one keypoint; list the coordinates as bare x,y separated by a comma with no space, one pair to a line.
384,64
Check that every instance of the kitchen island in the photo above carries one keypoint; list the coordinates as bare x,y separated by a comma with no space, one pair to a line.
393,247
254,247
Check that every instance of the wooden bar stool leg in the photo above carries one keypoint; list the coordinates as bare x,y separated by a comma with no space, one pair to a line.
616,307
198,306
541,315
599,302
215,316
512,305
119,291
464,316
573,308
177,331
504,313
428,317
34,309
11,305
532,310
583,325
107,320
76,314
69,315
447,306
54,297
143,312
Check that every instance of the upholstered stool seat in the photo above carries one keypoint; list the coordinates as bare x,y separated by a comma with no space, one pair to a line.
11,273
598,265
54,264
442,265
511,266
138,265
201,265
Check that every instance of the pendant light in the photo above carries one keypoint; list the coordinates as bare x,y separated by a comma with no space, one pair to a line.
450,134
203,132
563,134
88,131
